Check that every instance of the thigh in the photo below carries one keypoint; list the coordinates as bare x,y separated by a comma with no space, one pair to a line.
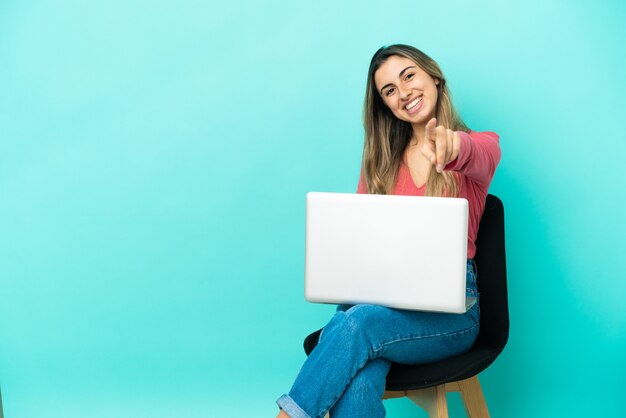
414,337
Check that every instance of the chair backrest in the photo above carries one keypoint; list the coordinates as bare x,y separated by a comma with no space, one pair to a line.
491,272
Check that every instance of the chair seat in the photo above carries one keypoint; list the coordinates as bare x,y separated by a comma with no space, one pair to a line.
464,366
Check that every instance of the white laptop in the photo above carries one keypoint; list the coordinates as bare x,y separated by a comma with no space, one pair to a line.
404,252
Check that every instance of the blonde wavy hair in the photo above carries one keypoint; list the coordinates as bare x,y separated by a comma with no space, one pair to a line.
386,136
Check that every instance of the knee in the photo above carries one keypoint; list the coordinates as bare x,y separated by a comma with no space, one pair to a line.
365,317
371,379
363,396
362,320
363,385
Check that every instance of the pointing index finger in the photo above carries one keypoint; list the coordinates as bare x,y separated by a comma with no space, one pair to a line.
430,132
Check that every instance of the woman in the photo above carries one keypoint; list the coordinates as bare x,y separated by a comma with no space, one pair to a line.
415,144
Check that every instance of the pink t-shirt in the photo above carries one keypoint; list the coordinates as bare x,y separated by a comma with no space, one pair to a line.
477,161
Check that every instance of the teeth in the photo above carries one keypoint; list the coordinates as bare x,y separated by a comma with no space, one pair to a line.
413,103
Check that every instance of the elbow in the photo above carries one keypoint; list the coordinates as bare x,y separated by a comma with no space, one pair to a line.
495,152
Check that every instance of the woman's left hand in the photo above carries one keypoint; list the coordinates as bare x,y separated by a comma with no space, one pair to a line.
441,145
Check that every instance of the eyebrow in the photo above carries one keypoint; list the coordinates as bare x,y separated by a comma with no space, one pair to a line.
399,76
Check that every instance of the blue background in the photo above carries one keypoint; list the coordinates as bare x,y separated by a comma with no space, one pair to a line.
154,161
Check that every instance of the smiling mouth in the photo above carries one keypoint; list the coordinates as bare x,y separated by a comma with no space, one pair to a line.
410,106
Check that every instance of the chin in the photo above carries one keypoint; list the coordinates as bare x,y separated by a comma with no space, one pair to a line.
418,118
414,120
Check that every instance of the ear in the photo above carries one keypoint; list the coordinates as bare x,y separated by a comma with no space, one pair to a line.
436,81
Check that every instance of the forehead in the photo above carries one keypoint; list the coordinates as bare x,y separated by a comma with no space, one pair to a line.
389,71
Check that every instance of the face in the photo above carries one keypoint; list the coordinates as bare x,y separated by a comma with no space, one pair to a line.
407,90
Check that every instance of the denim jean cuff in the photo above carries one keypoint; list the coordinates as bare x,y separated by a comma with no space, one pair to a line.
291,407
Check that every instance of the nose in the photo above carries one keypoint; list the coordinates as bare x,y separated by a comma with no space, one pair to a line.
405,93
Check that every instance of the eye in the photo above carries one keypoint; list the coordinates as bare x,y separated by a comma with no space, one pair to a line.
409,76
389,91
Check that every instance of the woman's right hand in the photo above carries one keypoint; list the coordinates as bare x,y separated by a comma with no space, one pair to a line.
441,145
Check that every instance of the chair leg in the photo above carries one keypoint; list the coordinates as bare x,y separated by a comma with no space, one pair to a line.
473,398
432,400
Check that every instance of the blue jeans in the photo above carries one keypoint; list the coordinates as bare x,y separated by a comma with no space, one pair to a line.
345,374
